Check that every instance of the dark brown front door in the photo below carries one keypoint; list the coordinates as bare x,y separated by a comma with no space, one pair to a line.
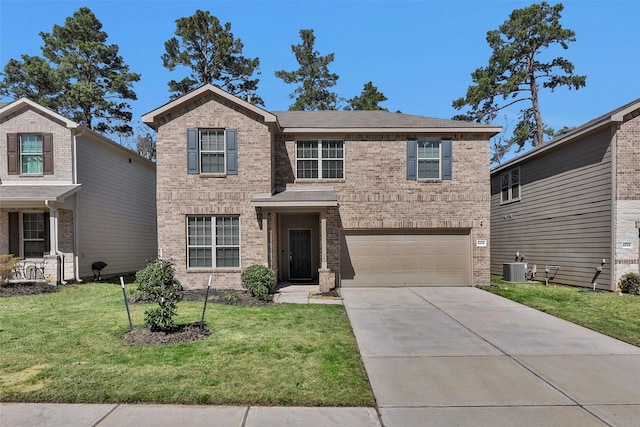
300,254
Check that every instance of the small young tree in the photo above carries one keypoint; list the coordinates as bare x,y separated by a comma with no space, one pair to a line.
156,282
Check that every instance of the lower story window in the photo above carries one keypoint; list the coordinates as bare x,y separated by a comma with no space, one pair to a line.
33,234
213,241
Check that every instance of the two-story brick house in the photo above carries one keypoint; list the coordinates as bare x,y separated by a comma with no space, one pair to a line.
350,198
573,203
70,197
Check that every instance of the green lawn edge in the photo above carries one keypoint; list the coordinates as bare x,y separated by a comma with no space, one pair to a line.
66,347
605,312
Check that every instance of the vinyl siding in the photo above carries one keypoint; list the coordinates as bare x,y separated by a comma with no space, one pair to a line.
116,208
564,215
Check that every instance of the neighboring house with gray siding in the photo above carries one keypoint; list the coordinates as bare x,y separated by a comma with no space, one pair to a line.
573,203
349,198
70,197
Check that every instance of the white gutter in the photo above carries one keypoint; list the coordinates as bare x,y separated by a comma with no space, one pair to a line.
53,237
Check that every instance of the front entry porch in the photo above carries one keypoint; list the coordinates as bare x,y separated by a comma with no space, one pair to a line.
295,229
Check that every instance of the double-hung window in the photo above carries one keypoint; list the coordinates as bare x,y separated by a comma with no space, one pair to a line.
429,159
510,185
213,241
31,154
320,159
212,151
33,229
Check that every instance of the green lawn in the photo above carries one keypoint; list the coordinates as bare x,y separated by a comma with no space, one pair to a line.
605,312
66,347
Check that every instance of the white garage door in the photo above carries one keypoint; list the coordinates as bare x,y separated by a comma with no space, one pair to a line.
408,258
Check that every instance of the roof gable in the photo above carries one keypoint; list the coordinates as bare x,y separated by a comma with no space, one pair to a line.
24,102
152,118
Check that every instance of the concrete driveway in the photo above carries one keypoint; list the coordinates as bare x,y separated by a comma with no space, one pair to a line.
463,356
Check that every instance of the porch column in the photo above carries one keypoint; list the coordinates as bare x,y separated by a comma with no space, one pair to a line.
265,239
323,239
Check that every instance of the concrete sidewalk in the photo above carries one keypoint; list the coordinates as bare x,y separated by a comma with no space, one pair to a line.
463,356
79,415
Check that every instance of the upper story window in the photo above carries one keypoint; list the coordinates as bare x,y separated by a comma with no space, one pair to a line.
429,159
30,153
320,159
510,185
212,151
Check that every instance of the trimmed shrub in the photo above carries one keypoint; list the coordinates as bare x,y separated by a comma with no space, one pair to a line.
630,283
156,283
258,280
8,266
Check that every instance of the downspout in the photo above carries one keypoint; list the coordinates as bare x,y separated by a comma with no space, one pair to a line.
76,240
54,239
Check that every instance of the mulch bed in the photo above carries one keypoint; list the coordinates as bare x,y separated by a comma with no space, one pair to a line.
226,296
182,334
16,289
192,332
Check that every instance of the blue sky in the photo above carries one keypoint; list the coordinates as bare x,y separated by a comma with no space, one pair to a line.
420,54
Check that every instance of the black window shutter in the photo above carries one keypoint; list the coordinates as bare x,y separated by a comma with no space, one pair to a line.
193,154
47,151
12,154
412,160
231,136
47,233
14,233
447,166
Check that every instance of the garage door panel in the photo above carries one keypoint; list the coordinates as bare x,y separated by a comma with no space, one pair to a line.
397,259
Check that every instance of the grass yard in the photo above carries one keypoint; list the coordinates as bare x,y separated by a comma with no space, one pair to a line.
605,312
66,347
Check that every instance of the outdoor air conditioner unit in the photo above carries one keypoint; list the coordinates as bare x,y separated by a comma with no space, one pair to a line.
514,271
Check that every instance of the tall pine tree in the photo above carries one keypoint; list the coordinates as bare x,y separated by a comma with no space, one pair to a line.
313,77
516,73
213,55
81,76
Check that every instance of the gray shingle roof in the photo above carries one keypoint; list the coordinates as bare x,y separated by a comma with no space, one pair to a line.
315,197
365,119
36,193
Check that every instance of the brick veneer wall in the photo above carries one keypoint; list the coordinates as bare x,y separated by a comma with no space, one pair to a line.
180,194
628,196
376,194
27,120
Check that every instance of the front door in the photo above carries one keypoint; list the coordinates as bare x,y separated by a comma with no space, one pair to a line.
300,254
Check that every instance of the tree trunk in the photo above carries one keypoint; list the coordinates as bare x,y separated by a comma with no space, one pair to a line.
539,139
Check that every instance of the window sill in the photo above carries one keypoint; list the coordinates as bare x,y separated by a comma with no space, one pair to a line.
214,270
31,175
508,202
314,180
212,175
429,180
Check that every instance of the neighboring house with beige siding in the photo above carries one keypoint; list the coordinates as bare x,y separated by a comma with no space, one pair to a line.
573,203
347,198
70,197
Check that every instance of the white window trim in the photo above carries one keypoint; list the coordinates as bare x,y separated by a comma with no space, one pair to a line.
223,151
510,197
319,159
213,245
23,239
22,154
439,158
